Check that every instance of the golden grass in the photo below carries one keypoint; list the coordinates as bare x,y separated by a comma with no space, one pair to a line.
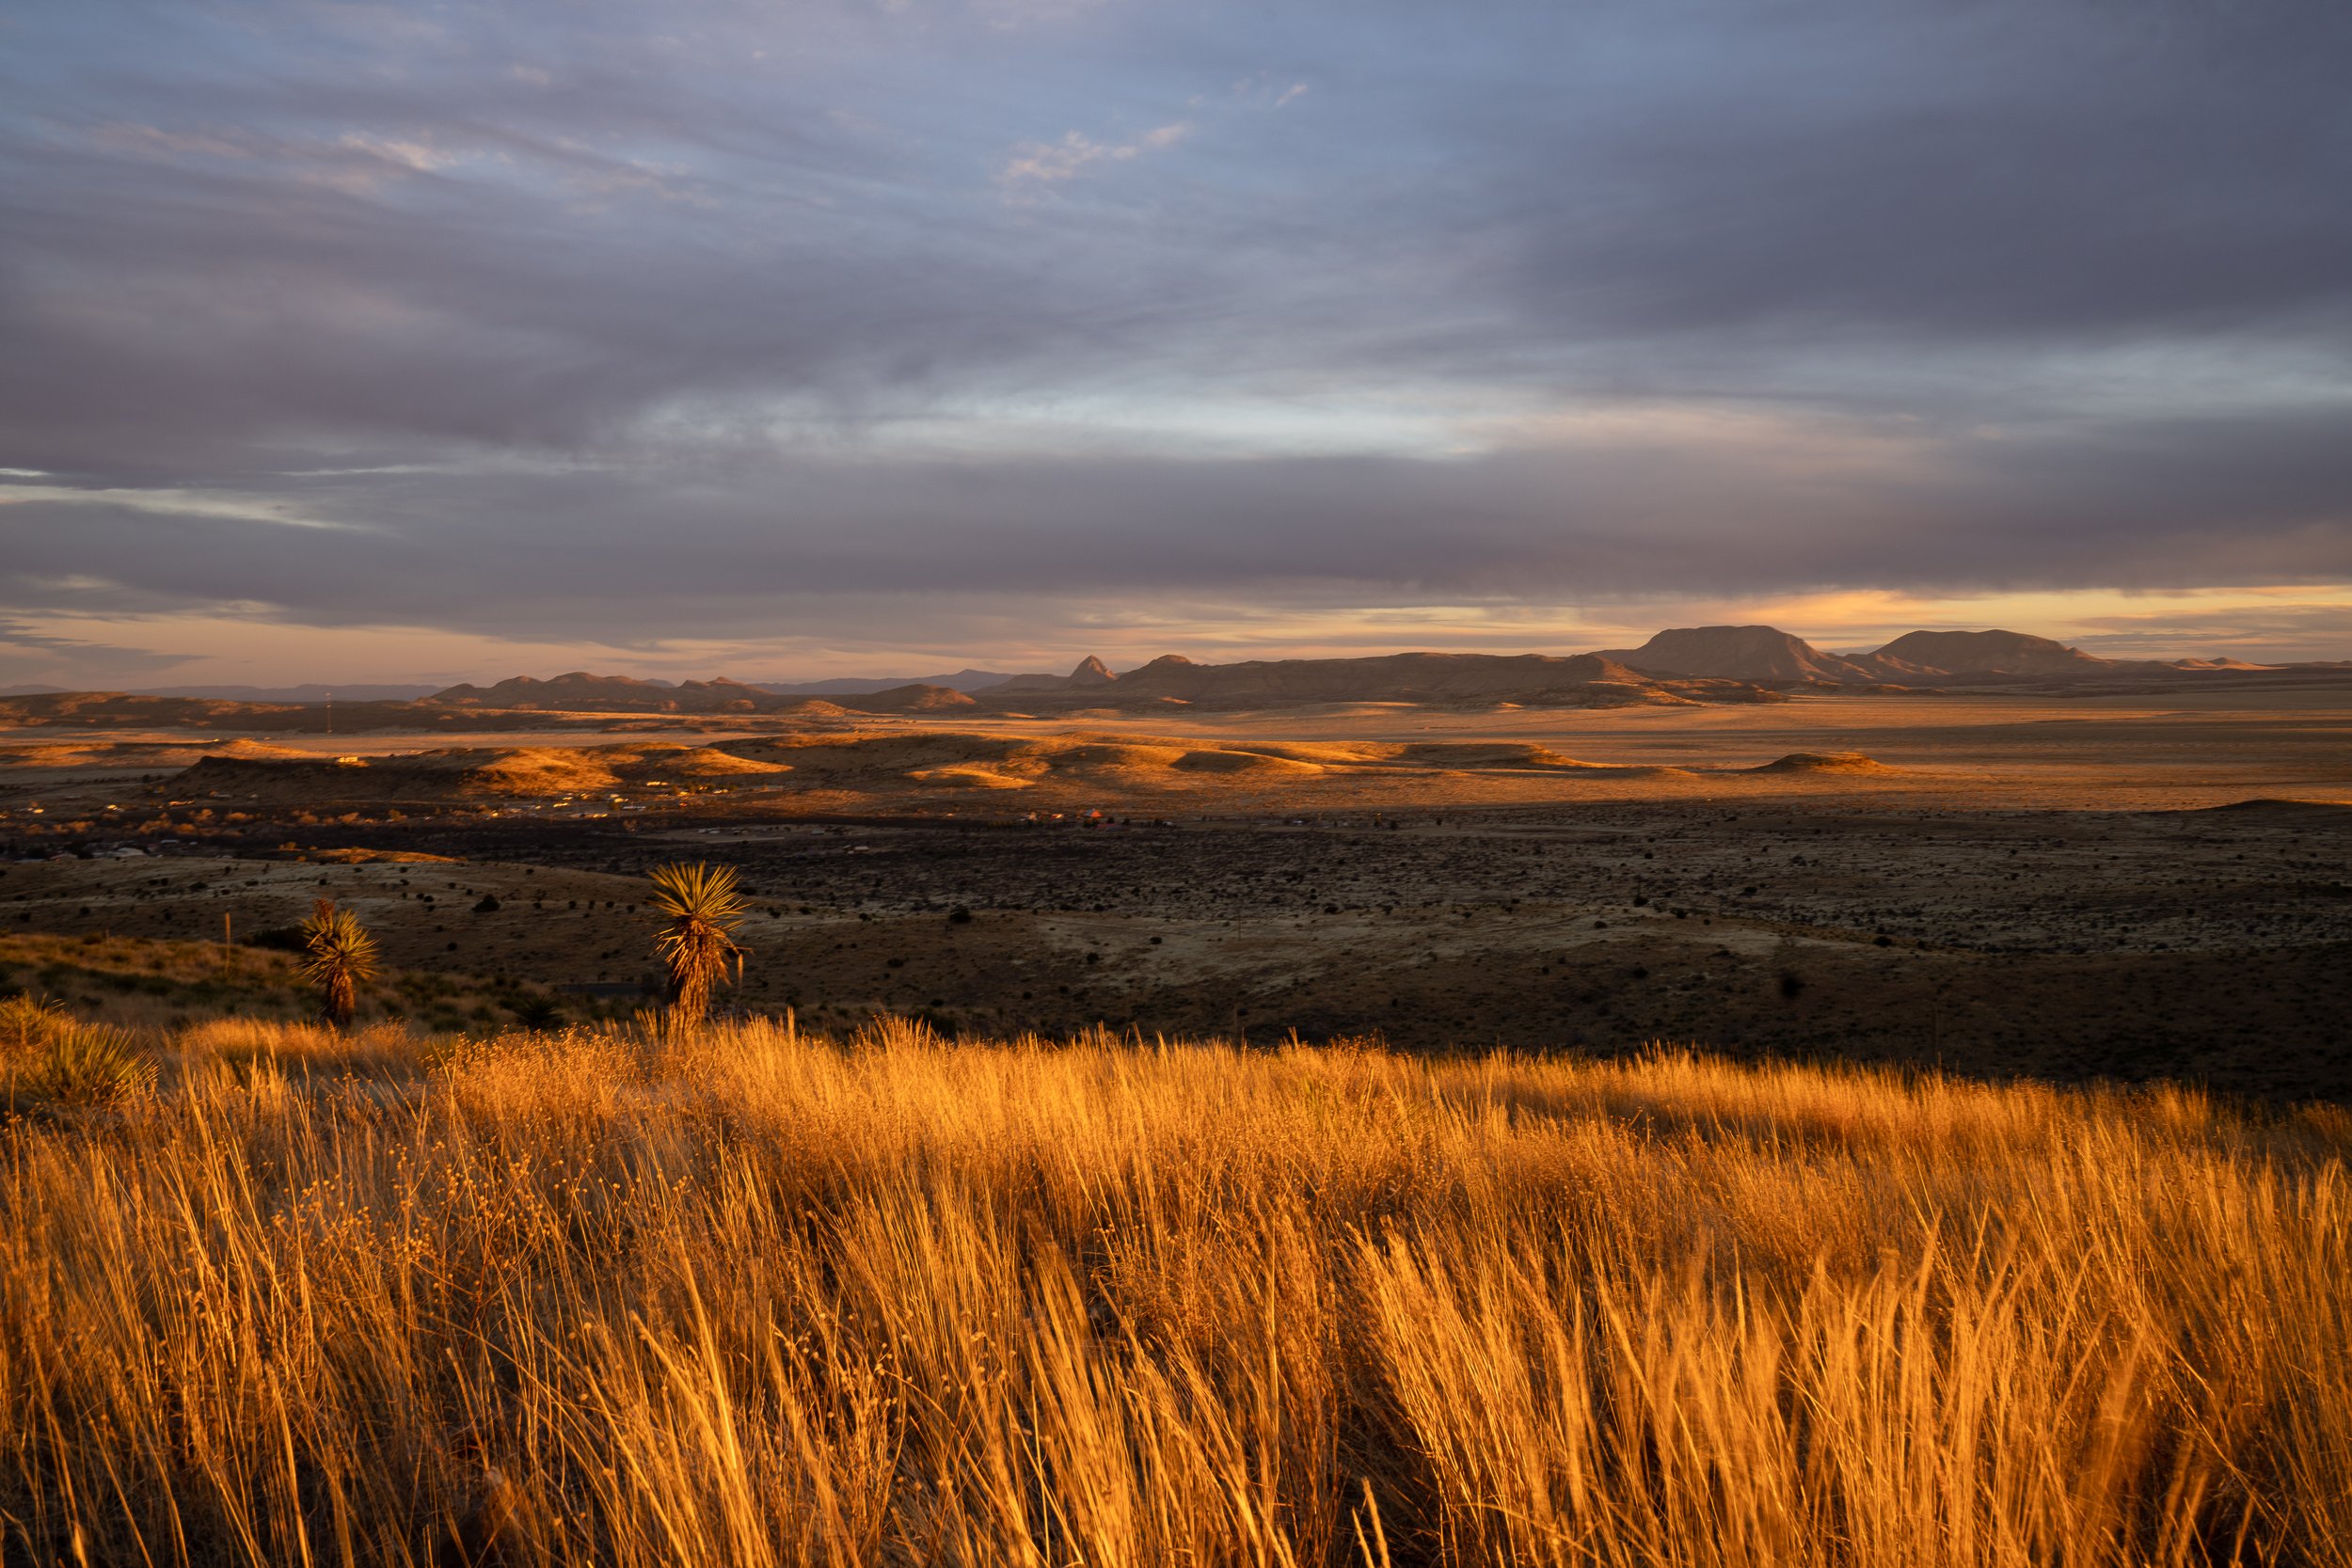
759,1298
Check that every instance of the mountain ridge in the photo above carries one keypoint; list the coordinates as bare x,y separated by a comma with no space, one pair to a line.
1679,665
856,686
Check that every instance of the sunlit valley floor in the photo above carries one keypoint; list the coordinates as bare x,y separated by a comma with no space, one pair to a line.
2205,945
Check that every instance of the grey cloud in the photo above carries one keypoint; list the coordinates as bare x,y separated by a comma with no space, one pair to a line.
1922,227
301,318
1953,171
2268,631
26,655
638,552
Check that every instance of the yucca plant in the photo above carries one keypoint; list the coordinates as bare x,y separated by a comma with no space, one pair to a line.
701,908
28,1022
341,955
88,1064
48,1057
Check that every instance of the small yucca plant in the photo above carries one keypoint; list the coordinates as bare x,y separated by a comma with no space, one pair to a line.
26,1023
702,909
342,954
47,1058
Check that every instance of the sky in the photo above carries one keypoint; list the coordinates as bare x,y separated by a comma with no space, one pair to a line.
345,340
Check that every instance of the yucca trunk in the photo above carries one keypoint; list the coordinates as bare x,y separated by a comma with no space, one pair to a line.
339,998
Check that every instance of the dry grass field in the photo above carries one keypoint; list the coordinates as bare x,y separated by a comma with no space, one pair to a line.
756,1296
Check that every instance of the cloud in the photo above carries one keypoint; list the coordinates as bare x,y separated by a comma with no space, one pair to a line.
1042,164
27,656
732,546
149,141
183,504
1050,162
2268,627
2039,175
572,314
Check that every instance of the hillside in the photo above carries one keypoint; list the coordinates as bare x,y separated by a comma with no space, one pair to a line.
1091,673
1582,680
128,710
918,697
310,692
582,693
860,686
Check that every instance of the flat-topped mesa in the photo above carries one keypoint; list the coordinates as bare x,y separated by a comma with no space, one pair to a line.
1738,654
1988,653
1769,654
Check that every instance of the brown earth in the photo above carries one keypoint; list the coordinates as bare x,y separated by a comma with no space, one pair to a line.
2011,884
2215,946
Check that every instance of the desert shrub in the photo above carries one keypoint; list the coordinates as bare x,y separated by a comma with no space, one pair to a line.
536,1012
51,1059
27,1022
